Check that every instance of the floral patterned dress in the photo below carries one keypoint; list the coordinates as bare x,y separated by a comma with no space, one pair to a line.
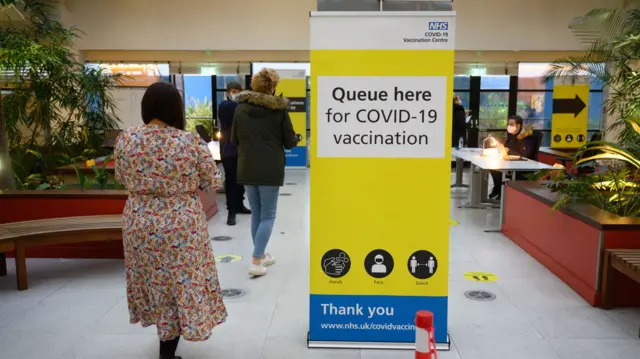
171,274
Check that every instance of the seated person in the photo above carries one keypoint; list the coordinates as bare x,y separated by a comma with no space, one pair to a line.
520,142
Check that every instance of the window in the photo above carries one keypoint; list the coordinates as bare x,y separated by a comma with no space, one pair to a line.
220,96
595,110
535,108
535,99
494,102
198,94
494,83
464,98
223,80
308,106
462,88
534,83
494,110
461,83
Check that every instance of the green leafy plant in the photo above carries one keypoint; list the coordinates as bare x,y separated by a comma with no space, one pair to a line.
612,191
616,190
50,182
612,40
101,175
199,113
54,104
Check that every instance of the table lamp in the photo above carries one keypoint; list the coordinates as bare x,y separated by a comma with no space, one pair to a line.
490,146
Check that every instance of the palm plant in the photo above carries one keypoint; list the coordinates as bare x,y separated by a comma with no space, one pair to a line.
612,38
90,111
63,105
199,113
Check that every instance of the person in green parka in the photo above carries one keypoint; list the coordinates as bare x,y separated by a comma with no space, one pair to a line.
262,130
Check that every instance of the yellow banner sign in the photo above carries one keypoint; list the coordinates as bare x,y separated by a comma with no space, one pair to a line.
570,117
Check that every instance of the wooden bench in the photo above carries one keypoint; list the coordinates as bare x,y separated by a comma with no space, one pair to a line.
625,261
18,236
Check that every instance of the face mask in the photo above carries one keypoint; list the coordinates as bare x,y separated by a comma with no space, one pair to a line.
234,96
512,130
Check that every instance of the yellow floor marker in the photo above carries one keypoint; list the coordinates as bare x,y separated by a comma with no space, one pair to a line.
453,222
481,277
228,258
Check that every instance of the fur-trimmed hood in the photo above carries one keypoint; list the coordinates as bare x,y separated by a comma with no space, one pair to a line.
263,100
525,132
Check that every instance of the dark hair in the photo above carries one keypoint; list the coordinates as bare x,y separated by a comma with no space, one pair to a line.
518,119
233,85
162,101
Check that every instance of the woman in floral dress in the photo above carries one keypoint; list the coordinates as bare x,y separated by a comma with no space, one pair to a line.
172,281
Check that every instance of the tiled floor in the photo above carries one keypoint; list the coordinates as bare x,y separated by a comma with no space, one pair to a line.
77,308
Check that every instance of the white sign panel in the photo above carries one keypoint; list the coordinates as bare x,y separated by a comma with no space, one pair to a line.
292,74
382,116
393,30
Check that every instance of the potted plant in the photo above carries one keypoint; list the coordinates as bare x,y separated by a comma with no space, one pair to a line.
581,215
612,38
53,109
53,104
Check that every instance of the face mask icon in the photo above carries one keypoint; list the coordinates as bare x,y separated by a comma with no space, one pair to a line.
379,266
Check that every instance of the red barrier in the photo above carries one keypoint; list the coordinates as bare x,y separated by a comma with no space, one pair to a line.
425,340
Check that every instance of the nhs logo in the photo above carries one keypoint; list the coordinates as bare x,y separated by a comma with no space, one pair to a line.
439,26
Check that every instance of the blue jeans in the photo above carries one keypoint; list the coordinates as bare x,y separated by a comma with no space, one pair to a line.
264,204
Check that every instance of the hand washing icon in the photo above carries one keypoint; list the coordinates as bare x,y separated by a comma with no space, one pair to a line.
336,263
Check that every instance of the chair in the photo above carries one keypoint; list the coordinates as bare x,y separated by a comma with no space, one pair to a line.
110,138
582,170
538,136
203,133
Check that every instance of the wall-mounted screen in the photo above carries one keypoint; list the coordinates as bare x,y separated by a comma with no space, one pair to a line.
137,75
257,66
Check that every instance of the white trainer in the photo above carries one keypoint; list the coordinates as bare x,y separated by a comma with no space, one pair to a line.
257,271
268,260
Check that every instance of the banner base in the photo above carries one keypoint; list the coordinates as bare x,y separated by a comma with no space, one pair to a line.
373,345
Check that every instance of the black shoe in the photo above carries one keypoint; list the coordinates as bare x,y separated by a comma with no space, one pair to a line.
231,219
494,194
244,210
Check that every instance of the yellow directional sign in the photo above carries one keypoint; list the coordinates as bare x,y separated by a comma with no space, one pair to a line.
481,277
228,258
570,116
